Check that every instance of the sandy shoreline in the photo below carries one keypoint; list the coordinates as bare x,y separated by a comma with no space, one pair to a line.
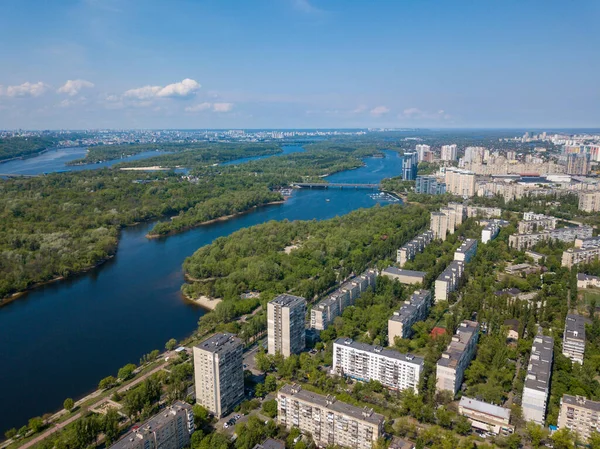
151,168
206,302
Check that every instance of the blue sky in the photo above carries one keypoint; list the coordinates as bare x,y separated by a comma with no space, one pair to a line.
299,63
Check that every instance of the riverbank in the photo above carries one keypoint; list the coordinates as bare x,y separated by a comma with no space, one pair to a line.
214,220
205,301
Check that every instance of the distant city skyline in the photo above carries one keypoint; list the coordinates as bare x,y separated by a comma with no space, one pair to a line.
298,64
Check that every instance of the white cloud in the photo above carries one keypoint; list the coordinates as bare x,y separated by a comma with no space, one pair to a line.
305,6
68,102
25,90
72,87
418,114
198,107
222,107
378,111
359,109
185,88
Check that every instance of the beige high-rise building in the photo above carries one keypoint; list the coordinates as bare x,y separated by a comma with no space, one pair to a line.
580,415
219,373
329,421
285,325
460,182
589,201
457,357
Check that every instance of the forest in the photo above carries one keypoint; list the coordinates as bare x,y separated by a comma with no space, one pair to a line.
14,147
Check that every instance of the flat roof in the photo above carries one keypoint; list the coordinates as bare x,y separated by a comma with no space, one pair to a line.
575,327
540,364
455,265
380,351
285,300
484,407
270,443
400,272
219,342
416,299
332,404
586,277
453,353
466,245
580,401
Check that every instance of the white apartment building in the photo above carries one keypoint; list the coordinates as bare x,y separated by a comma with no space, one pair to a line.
457,356
589,201
219,373
585,251
448,281
492,229
580,415
413,310
422,150
537,382
525,241
483,212
447,220
323,313
486,417
466,251
364,362
286,332
449,152
411,249
536,223
170,429
460,182
329,421
574,338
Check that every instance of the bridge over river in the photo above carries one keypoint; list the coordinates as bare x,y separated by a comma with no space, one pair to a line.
335,185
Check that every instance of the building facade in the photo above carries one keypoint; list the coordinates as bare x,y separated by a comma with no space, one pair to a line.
449,280
486,417
429,185
219,373
580,415
364,362
525,241
578,164
587,281
460,182
413,310
450,369
537,382
574,338
409,166
286,332
589,201
323,313
329,421
411,249
170,429
449,152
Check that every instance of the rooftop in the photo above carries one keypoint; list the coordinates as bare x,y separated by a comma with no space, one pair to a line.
586,277
580,401
285,300
454,352
380,351
575,327
400,272
484,407
219,342
416,299
540,364
466,245
331,403
455,265
270,443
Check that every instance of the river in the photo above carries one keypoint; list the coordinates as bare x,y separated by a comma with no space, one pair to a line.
59,340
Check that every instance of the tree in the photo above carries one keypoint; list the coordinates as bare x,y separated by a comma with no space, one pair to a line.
269,408
260,391
68,404
563,439
126,371
201,416
171,344
594,440
513,441
10,433
263,361
535,434
107,382
462,425
86,431
110,425
270,383
36,424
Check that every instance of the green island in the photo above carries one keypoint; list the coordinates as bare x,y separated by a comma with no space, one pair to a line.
19,147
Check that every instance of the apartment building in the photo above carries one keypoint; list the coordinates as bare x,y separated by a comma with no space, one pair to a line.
414,309
411,249
404,276
574,338
585,251
449,152
587,281
536,223
421,151
524,241
466,251
329,421
483,212
429,185
449,280
364,362
447,220
580,415
409,166
578,164
219,373
323,313
457,356
537,382
486,417
589,201
460,182
286,332
490,231
170,429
